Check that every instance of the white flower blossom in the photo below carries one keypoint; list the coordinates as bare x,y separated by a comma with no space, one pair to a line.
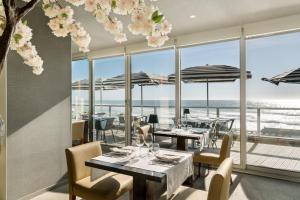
113,26
105,5
50,9
101,16
121,37
31,58
166,27
66,15
80,37
22,35
27,51
90,5
76,2
124,7
157,40
37,70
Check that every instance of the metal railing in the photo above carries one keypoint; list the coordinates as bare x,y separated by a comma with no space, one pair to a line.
216,113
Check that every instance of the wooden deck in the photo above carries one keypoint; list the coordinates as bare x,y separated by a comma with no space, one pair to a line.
269,155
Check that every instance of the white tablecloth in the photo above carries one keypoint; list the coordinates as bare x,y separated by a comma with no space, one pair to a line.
176,173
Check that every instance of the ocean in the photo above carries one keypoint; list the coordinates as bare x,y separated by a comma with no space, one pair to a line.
283,114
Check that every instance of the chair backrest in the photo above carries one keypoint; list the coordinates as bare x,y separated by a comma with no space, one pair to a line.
213,128
121,119
226,146
144,130
220,183
109,123
99,123
76,157
78,130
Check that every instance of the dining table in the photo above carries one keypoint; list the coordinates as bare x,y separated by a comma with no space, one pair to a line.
182,136
147,171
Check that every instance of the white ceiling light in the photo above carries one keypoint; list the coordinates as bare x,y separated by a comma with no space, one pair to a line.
192,16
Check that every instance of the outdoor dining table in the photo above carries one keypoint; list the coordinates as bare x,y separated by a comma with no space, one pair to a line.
147,171
182,136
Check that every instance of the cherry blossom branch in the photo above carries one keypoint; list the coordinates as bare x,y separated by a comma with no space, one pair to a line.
21,12
12,16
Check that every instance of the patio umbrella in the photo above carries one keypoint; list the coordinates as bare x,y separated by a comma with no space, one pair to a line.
84,85
292,76
209,74
140,78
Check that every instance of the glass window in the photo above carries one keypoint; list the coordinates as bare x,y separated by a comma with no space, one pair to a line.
109,100
212,99
273,122
151,91
80,101
80,89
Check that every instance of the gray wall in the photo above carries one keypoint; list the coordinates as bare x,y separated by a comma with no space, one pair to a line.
38,113
3,137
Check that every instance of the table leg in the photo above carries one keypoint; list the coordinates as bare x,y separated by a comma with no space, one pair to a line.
181,143
139,188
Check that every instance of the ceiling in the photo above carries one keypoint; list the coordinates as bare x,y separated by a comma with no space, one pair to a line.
210,14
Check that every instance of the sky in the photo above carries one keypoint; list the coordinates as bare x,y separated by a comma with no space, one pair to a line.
265,57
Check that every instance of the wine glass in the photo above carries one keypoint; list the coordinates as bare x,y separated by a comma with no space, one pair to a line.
155,148
189,128
148,140
139,141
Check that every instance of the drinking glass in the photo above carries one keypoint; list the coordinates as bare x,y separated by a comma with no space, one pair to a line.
148,139
189,128
139,142
155,148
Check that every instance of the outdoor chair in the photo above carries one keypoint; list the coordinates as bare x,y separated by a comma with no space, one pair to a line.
206,157
101,114
109,186
213,134
103,125
121,123
218,187
225,127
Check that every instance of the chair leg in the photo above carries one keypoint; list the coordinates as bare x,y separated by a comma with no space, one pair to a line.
97,135
72,197
112,132
131,195
199,170
104,136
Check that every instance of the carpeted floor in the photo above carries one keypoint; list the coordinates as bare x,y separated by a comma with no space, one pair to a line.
244,187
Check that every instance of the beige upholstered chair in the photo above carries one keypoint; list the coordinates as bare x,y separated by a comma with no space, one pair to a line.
218,188
215,159
77,132
108,187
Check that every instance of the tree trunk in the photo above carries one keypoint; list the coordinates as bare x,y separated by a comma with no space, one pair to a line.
13,16
5,41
